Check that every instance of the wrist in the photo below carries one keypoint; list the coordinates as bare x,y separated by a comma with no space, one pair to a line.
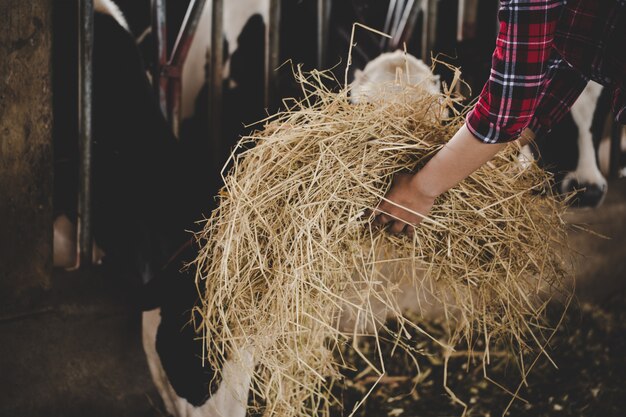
423,187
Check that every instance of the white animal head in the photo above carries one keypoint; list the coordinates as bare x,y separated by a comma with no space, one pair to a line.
387,75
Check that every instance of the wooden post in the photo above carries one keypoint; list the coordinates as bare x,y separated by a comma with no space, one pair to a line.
25,150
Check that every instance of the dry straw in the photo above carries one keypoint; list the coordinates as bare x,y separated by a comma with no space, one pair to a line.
290,251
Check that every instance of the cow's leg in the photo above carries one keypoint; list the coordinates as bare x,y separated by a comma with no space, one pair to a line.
604,154
587,177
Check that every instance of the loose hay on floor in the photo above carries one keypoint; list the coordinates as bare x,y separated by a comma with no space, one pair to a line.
290,246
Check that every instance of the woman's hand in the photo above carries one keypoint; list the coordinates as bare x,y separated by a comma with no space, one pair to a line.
405,193
461,156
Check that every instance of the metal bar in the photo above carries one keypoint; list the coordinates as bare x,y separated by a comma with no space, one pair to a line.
460,20
616,150
174,99
159,28
429,29
187,32
399,35
323,17
85,129
216,78
397,16
272,52
411,22
384,41
172,73
424,43
468,15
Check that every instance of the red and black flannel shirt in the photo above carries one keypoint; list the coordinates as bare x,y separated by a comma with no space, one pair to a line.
546,52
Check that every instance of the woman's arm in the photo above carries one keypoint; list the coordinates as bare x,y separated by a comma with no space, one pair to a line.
461,156
520,61
520,78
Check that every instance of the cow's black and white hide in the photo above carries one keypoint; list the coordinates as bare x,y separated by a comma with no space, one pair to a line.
142,196
602,132
174,353
172,348
569,153
604,155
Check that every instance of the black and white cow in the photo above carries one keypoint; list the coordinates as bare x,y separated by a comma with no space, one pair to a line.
143,193
169,339
569,153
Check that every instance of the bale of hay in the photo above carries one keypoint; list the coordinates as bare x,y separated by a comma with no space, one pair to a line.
291,247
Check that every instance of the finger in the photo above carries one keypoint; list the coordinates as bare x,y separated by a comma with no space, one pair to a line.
384,219
397,227
410,231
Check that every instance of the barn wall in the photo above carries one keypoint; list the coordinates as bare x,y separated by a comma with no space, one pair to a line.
25,151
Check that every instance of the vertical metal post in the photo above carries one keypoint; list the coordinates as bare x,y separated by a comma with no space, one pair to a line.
173,70
424,46
397,16
467,17
216,77
323,17
616,149
460,20
384,41
85,129
406,24
429,29
272,52
159,28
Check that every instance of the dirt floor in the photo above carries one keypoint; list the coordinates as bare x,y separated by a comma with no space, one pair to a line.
79,353
589,348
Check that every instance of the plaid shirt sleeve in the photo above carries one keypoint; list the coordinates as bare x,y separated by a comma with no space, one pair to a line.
524,74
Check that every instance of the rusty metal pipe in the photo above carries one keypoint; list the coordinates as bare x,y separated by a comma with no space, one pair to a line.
173,70
187,32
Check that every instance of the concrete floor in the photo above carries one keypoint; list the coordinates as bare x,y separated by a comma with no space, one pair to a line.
79,353
601,267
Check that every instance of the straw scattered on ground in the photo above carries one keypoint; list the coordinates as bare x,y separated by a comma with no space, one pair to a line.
290,252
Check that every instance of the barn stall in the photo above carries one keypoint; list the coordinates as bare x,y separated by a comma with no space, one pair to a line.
71,338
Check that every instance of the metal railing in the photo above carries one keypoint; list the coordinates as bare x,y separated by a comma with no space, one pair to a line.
168,71
400,22
85,130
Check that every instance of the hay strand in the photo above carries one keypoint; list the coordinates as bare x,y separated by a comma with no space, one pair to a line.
290,253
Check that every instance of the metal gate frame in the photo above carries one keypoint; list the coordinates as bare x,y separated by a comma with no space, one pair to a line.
168,72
